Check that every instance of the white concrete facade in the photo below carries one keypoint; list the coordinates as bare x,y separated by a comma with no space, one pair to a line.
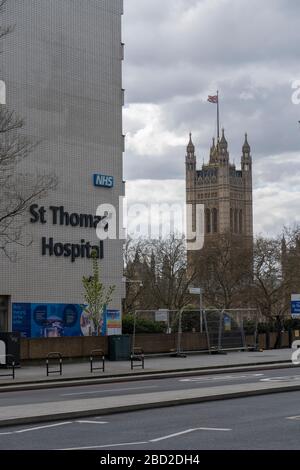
62,67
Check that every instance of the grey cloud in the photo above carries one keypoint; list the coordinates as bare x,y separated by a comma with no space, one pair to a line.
227,31
246,49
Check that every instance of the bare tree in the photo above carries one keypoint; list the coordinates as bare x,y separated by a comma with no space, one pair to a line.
270,284
4,30
224,270
134,274
18,190
290,252
161,265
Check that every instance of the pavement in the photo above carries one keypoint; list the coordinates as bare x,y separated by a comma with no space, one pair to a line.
34,374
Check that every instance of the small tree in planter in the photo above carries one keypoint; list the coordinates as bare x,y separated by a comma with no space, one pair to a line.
96,296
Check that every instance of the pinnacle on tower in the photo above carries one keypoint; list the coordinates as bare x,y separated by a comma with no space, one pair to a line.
246,146
213,150
223,141
191,147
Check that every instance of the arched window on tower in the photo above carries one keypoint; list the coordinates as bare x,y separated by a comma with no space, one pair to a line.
231,221
215,220
241,221
236,216
207,221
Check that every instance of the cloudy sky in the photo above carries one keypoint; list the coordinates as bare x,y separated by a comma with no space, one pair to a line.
179,51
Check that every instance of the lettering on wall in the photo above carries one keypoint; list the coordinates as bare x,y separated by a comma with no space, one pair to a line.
57,215
103,181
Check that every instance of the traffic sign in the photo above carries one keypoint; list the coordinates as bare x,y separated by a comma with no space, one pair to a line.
295,305
195,290
161,315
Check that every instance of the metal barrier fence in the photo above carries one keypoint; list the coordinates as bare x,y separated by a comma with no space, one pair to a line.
218,330
7,365
225,328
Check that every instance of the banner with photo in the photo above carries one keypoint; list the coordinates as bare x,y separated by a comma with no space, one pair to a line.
58,320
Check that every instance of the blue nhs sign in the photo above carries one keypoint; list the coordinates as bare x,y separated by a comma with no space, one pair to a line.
103,181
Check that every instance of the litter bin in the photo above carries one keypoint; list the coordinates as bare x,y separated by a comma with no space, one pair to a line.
9,348
119,347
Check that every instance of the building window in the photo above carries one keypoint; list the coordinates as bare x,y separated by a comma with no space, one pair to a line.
207,221
215,221
236,216
241,221
231,220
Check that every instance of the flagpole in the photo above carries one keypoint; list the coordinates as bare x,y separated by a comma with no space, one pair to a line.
218,116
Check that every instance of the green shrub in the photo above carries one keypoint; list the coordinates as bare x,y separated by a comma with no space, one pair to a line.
142,325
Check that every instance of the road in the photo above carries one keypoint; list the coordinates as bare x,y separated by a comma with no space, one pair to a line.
146,386
264,422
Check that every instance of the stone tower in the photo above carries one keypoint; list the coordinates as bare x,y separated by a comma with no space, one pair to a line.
225,192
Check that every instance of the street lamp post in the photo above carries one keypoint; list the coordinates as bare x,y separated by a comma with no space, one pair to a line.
201,311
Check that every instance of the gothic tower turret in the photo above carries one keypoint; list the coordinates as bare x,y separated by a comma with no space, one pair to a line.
190,164
246,165
246,160
190,155
223,155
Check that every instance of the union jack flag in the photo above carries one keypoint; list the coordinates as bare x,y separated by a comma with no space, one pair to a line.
213,99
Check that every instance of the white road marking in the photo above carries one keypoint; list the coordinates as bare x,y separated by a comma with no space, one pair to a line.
6,433
92,422
107,445
147,442
293,417
220,378
112,390
213,429
43,427
281,379
188,431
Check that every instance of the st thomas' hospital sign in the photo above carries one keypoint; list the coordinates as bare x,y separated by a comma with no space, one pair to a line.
58,216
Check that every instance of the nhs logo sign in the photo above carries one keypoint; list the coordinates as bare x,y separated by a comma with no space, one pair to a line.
103,181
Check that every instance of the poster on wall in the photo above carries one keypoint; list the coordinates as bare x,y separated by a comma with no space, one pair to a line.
112,324
46,320
58,320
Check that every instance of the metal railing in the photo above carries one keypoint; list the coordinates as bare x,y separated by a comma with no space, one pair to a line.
59,361
7,366
137,355
100,354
